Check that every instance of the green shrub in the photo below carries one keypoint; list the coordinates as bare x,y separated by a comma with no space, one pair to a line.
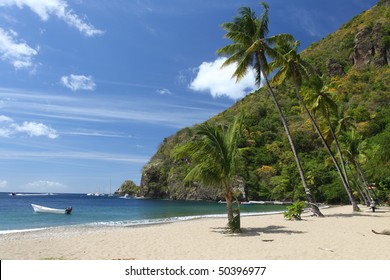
295,210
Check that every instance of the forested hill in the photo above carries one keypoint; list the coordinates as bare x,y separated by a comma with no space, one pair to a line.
354,65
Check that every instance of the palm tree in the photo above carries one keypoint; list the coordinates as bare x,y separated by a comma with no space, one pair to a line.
292,67
352,141
215,153
249,49
320,98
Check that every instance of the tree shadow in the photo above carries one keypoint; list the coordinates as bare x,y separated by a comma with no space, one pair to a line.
336,215
249,231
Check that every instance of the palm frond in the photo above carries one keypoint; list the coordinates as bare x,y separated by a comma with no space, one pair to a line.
264,21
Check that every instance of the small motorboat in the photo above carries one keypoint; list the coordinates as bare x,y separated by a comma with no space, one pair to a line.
43,209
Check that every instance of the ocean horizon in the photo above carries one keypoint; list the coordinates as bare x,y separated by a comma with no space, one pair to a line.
17,215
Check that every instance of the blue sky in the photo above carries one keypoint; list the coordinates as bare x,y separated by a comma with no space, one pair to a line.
89,89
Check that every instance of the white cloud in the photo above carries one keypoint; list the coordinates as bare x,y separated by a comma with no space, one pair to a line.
5,119
9,127
49,186
45,8
5,130
36,129
78,82
163,91
3,184
19,54
219,82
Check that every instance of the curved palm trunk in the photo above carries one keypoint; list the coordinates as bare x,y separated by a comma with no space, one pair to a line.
342,176
309,196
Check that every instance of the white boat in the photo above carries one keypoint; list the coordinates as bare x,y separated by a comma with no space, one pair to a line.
43,209
30,194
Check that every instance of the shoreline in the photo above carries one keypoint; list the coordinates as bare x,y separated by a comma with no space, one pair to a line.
136,223
340,235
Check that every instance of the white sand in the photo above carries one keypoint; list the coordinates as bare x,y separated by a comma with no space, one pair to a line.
340,235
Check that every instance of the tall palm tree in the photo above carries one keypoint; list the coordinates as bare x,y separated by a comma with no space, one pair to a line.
249,50
215,153
320,98
292,67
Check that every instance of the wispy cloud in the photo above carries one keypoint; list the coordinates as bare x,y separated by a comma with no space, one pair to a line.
9,127
308,21
97,133
16,52
46,186
140,109
78,82
219,82
163,91
3,184
59,8
74,156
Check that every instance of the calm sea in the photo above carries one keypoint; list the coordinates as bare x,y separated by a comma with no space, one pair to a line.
16,213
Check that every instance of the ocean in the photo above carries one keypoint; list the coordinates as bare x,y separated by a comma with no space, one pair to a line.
16,213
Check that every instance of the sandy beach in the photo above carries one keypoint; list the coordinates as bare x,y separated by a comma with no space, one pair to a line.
341,235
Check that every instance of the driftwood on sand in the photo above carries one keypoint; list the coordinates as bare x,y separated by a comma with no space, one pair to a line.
384,232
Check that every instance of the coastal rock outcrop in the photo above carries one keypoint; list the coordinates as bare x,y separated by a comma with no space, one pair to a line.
128,187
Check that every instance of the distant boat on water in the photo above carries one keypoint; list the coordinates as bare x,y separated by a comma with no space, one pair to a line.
252,202
43,209
95,194
30,194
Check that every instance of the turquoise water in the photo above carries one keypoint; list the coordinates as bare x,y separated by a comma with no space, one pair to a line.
17,214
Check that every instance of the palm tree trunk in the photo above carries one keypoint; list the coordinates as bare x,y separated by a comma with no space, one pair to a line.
363,181
347,187
343,179
229,208
360,186
360,171
316,211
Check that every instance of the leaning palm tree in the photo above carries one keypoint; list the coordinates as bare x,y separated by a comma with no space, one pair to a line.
352,142
320,98
291,66
249,50
215,153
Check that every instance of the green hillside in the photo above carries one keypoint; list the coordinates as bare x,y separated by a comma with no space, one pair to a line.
353,63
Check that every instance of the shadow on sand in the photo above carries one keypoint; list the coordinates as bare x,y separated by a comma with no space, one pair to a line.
258,231
359,214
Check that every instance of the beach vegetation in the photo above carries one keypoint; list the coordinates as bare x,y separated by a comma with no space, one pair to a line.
215,153
295,211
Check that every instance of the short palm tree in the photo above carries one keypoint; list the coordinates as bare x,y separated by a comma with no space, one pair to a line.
216,155
292,67
248,50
